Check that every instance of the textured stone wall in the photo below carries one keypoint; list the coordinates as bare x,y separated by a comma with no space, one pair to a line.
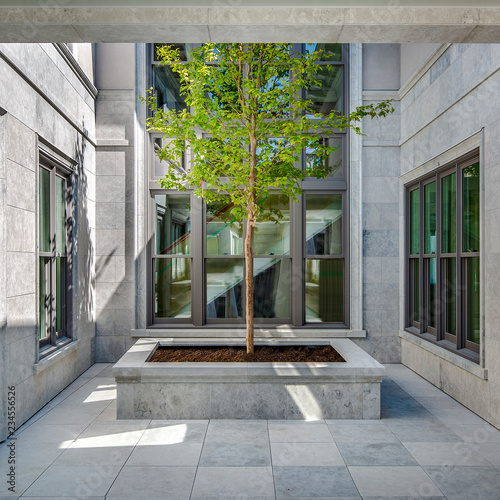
455,99
43,99
115,227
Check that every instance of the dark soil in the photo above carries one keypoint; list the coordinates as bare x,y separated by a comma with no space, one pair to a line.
239,354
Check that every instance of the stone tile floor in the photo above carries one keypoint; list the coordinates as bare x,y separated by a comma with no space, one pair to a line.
426,446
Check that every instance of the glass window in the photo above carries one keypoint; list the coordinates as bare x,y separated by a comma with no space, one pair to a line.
449,213
327,97
224,288
173,224
332,166
44,209
430,218
473,300
450,291
167,85
324,290
324,224
53,258
415,222
470,210
271,288
173,288
272,230
331,51
224,232
209,270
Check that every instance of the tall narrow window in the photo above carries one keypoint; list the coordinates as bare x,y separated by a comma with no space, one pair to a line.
172,262
53,256
324,266
443,270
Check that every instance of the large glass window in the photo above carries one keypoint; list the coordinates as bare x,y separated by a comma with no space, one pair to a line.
197,265
53,258
443,294
324,264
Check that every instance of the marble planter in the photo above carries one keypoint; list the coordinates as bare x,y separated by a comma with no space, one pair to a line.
307,391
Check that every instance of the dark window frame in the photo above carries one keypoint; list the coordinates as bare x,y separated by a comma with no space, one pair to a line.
439,335
62,168
297,256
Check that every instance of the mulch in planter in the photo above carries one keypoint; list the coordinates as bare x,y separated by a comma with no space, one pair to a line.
216,354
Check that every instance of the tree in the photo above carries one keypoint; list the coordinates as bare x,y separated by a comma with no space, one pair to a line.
246,98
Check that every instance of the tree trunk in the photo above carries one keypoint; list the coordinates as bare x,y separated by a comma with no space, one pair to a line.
249,283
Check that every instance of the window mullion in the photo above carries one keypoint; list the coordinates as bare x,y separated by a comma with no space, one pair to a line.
422,316
439,321
459,267
53,280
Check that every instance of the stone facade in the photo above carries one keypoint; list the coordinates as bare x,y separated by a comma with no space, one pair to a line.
44,99
445,99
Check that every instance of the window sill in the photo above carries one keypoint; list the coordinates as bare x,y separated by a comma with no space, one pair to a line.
464,361
53,355
238,331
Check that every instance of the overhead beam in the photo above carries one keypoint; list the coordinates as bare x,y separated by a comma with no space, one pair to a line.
250,24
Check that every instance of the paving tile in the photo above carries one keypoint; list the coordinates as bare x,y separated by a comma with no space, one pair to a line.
233,482
362,433
490,451
75,482
299,432
99,456
483,433
375,454
153,482
428,430
302,454
174,433
230,431
174,455
440,402
465,483
106,435
458,453
26,475
458,416
235,454
292,482
389,482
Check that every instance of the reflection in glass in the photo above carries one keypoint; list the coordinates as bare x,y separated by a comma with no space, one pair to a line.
43,276
272,229
450,295
328,97
224,232
161,167
183,48
473,299
60,215
331,51
415,290
167,86
470,221
173,288
44,210
332,166
323,224
415,222
271,288
432,293
224,288
449,213
430,218
173,224
324,290
60,287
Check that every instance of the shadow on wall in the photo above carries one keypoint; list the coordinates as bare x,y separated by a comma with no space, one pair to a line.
81,265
